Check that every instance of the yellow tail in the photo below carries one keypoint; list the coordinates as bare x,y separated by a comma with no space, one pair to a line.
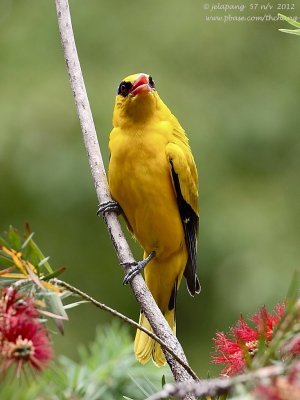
145,347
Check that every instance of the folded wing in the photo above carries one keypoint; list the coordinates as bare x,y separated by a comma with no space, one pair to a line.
184,177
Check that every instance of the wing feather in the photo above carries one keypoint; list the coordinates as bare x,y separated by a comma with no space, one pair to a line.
184,178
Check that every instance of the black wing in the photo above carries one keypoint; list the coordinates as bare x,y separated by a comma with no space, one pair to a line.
190,221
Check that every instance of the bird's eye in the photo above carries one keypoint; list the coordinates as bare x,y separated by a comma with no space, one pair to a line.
124,88
151,82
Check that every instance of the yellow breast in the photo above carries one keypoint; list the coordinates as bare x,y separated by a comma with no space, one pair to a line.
140,181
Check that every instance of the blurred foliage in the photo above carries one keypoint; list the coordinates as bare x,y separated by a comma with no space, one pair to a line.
234,87
107,369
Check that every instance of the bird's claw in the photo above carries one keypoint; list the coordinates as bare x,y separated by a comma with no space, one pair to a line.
108,206
136,268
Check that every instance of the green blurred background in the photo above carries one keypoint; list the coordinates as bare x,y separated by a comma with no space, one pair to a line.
235,88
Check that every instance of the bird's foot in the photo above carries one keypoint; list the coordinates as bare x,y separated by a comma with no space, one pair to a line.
136,267
109,206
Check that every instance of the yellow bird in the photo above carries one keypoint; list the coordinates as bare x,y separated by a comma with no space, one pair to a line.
153,178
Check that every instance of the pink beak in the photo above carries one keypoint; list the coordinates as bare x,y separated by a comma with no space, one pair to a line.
140,85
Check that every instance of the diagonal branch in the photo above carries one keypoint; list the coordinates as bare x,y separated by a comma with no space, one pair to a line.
125,319
215,387
141,292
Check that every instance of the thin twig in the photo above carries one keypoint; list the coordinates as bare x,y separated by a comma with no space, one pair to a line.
21,282
141,292
123,317
215,387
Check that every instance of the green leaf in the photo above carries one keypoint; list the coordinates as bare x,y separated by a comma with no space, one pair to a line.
25,243
163,381
290,20
77,303
5,260
3,242
291,31
30,250
14,238
56,307
54,274
43,261
39,256
292,294
55,304
51,315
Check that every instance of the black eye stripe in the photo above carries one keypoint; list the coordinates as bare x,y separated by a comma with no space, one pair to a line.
151,82
124,88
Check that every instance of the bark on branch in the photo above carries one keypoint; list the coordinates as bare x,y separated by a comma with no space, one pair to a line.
215,387
140,290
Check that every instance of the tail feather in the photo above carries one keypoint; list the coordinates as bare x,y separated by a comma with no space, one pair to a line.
170,317
143,344
158,356
145,347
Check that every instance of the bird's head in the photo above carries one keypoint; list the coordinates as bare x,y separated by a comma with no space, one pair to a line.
136,100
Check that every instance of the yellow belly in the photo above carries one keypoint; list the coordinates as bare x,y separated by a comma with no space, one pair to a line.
140,181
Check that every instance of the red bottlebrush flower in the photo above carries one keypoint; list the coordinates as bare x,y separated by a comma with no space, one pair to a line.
266,322
23,338
13,302
230,353
242,342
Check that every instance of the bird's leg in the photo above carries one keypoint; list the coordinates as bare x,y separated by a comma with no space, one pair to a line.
109,206
137,267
